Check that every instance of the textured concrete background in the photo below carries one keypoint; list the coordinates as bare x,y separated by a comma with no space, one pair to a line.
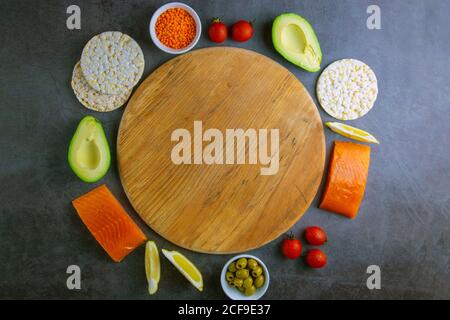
404,221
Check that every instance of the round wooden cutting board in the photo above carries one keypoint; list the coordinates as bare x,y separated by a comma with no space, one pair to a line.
220,208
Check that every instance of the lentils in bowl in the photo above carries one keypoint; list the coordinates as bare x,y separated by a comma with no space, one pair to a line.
175,28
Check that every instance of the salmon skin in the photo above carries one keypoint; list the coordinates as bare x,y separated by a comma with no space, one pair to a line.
347,177
108,222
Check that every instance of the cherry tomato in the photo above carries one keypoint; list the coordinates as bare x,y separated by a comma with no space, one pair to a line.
291,247
316,258
315,236
217,31
241,31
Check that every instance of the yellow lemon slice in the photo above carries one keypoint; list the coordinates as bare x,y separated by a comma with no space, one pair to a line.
351,132
152,266
186,267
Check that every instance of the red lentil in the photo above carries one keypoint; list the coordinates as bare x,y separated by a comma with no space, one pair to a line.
175,28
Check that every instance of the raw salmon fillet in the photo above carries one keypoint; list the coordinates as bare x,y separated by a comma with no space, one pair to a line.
347,177
108,222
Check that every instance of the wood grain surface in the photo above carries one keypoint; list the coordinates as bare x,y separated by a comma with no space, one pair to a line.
220,208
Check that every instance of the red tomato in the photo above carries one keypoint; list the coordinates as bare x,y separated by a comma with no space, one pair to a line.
217,31
291,247
316,258
315,236
241,31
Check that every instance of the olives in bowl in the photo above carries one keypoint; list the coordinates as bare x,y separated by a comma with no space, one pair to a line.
245,277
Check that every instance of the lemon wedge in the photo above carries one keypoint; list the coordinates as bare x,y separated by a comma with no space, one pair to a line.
351,132
152,266
186,267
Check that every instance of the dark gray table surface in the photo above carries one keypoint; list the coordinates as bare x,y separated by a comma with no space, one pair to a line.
404,222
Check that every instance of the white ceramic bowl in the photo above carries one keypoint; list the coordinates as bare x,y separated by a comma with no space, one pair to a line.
155,18
234,293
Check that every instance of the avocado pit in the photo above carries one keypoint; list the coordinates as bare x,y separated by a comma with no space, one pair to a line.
88,154
293,38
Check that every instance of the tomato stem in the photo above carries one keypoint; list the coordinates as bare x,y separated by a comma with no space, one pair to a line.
290,235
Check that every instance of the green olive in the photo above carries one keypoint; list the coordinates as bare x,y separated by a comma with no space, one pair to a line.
238,282
229,276
232,267
259,281
248,282
252,264
242,274
241,289
257,272
250,290
241,263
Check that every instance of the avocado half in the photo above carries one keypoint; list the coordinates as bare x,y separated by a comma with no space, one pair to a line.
89,155
294,38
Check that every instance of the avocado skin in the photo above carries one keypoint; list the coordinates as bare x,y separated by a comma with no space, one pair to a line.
279,48
105,145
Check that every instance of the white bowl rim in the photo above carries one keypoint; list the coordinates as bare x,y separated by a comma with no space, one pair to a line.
163,8
259,292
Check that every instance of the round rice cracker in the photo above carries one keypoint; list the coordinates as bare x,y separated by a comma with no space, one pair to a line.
112,62
93,99
347,89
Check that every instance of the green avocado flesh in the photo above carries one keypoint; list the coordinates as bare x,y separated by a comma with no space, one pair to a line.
89,155
294,38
